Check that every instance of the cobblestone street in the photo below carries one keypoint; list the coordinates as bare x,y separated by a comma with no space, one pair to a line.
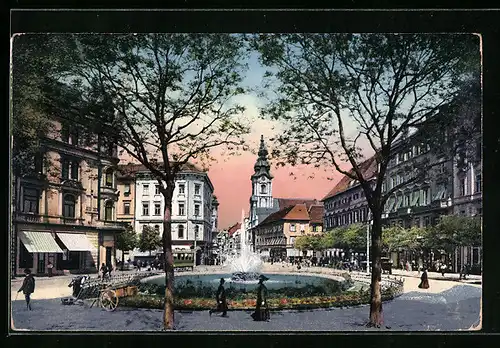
446,306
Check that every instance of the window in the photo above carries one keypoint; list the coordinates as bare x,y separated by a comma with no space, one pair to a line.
292,240
197,189
145,209
426,221
196,210
180,231
182,209
70,169
384,187
30,200
463,188
109,177
196,231
108,211
292,227
126,208
406,201
157,229
69,206
127,189
157,189
181,189
263,188
145,189
157,208
478,183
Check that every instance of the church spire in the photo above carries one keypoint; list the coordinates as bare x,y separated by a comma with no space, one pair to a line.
262,167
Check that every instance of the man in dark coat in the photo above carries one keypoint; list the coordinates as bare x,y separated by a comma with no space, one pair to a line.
261,310
220,297
28,287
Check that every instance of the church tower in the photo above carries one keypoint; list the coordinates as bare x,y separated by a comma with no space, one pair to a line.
262,189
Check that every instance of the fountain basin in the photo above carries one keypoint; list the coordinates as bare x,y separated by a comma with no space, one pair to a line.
205,285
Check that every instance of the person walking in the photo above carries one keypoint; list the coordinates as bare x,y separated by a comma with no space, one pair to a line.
443,269
261,310
220,297
103,270
28,287
424,280
49,268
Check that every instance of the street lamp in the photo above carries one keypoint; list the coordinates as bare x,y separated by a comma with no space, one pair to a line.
368,242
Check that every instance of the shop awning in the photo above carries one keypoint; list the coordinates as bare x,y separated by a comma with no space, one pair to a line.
39,242
76,242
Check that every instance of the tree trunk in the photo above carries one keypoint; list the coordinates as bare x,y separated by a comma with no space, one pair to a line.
168,261
376,319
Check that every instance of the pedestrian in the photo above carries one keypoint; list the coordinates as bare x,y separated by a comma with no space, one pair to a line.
261,309
443,269
49,268
103,270
109,269
28,287
463,272
424,280
220,297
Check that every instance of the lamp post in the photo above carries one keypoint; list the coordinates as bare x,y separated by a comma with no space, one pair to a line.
194,249
368,243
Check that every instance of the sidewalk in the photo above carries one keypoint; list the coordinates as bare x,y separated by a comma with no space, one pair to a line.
471,279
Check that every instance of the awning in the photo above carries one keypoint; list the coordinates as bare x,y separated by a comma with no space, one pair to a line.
39,242
76,242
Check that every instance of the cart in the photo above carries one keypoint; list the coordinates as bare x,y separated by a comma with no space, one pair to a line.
103,293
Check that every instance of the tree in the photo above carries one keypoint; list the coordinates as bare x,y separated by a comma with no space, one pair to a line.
125,241
168,100
338,94
455,231
303,243
149,239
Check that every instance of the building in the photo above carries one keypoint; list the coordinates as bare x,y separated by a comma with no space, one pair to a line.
275,236
262,202
345,204
191,208
66,212
452,185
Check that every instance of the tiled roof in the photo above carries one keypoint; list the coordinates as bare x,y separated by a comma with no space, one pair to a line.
276,216
368,169
316,214
129,170
287,202
298,212
233,229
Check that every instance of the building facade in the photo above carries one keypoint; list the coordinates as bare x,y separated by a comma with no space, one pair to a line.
275,236
65,213
452,185
191,208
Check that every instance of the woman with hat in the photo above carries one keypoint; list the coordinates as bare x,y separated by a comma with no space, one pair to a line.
261,310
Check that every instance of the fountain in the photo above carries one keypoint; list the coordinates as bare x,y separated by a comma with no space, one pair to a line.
247,265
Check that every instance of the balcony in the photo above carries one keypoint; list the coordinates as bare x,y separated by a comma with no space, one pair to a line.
111,225
28,217
71,221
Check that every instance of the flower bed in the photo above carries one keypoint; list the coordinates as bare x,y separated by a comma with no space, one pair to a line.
312,302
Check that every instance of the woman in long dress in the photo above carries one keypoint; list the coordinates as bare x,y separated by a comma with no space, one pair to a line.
261,310
424,281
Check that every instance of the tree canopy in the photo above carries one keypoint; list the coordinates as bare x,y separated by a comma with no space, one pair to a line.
149,239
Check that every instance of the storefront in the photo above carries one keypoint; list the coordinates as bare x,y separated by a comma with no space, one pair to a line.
79,252
36,249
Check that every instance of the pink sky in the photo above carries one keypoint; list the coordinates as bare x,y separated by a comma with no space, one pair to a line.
231,180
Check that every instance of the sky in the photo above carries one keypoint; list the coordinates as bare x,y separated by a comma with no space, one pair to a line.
231,175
